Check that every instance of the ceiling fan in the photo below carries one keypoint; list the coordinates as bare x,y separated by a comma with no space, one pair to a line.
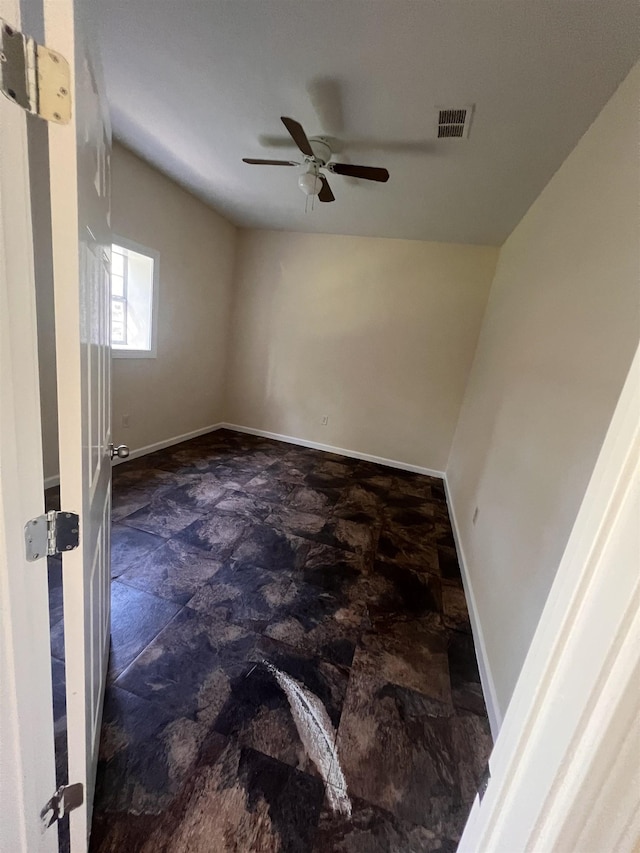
317,156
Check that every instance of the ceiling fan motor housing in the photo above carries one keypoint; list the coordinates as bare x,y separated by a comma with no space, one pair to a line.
321,150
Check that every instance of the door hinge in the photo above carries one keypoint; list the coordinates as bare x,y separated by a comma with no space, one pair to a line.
33,76
50,534
65,800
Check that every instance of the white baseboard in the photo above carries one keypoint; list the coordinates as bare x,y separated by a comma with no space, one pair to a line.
486,678
328,448
168,442
302,442
149,448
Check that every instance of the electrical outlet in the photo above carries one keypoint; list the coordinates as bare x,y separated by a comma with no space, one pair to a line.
126,421
325,420
475,516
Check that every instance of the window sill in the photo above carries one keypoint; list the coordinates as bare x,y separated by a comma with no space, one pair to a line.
132,353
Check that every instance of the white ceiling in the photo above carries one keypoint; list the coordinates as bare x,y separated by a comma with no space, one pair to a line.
195,85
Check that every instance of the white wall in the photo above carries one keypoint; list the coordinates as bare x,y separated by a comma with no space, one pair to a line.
557,340
377,334
181,390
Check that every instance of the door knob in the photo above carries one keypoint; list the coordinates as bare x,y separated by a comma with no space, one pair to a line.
122,451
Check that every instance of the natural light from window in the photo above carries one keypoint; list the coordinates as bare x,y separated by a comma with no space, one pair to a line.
132,301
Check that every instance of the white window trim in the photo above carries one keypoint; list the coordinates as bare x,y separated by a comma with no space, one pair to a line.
150,253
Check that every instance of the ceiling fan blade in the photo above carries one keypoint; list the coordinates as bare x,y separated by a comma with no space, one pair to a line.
368,173
269,162
325,193
298,135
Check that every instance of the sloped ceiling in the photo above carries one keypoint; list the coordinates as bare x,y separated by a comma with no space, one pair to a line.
195,85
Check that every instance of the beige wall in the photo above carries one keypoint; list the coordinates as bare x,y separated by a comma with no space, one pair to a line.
376,334
181,390
557,341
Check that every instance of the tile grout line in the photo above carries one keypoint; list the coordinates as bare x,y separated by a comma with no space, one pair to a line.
153,639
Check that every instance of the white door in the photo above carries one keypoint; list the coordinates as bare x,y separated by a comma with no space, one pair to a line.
27,769
79,177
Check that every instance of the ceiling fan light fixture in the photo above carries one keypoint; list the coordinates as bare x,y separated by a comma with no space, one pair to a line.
310,183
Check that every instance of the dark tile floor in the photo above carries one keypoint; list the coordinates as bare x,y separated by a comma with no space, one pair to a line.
292,666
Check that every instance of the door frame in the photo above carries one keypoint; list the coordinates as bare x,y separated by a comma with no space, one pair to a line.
27,777
564,769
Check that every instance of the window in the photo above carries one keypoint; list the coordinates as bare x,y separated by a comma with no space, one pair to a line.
134,291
